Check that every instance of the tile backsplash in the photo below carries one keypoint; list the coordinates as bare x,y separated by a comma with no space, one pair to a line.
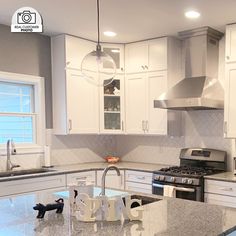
200,129
81,148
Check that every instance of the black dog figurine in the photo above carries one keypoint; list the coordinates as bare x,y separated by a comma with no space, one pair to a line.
59,205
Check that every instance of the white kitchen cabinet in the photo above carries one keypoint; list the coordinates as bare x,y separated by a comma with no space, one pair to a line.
112,180
135,88
138,181
158,67
150,55
141,91
112,96
88,177
220,192
230,49
75,100
33,184
136,57
229,104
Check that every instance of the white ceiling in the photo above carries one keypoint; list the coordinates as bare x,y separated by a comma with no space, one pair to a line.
132,20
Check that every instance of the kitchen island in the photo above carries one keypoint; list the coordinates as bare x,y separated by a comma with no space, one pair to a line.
169,217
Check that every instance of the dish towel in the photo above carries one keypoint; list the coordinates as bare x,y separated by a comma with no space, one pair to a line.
169,191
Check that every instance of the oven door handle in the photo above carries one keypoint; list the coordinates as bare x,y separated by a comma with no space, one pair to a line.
191,190
157,185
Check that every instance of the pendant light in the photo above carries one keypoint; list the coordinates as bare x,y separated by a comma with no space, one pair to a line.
98,67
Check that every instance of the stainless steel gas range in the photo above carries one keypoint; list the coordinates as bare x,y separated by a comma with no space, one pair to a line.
187,178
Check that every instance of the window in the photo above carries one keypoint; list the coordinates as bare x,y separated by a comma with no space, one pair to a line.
21,110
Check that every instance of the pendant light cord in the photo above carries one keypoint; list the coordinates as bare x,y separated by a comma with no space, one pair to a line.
98,22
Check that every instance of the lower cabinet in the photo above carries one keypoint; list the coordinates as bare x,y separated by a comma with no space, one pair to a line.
220,193
32,184
86,176
138,181
112,180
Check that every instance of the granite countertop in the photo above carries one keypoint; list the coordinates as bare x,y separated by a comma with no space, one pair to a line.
65,169
225,176
167,217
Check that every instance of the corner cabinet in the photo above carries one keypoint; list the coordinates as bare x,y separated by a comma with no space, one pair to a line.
149,66
112,96
230,83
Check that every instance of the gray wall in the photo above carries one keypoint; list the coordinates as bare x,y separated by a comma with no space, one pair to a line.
28,53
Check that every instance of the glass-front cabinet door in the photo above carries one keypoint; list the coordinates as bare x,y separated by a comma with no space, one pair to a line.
116,51
112,95
112,108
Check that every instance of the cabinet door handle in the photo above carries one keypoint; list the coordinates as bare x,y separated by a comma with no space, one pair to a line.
84,177
146,66
225,128
143,125
226,189
122,125
147,126
143,67
70,124
141,177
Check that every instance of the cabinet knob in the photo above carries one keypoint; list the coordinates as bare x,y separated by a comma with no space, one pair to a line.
146,66
122,69
143,67
227,57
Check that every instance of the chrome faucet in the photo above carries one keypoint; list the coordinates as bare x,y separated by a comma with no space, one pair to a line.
104,177
11,150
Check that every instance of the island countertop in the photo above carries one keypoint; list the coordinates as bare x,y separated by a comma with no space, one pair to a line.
167,217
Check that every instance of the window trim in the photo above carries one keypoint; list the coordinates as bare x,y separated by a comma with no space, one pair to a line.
39,100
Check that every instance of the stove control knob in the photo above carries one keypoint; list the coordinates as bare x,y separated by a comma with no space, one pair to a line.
162,178
184,181
172,179
190,181
157,177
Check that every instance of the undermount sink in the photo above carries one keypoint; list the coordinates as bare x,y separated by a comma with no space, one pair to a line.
23,172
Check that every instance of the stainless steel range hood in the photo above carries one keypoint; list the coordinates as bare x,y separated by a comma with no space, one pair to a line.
200,89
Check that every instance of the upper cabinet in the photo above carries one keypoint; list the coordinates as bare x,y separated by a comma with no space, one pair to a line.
112,95
81,107
116,51
230,49
145,56
151,67
230,83
75,100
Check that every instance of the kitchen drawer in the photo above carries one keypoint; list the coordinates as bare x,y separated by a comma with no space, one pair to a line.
87,176
138,187
221,200
138,177
31,185
220,187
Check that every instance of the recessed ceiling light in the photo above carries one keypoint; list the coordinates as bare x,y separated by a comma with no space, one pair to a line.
192,14
109,33
115,50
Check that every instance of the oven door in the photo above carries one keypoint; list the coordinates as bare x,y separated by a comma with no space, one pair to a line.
193,193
